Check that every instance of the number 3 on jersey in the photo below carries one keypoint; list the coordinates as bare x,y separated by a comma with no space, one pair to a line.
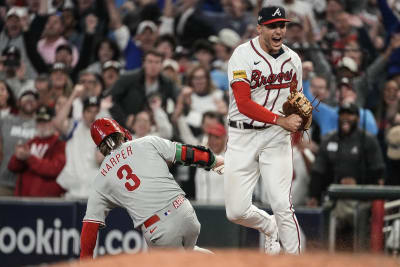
129,176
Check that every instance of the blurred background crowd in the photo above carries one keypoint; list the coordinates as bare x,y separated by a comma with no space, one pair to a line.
158,67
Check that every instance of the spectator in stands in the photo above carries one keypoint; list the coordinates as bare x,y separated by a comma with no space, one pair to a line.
70,22
184,59
64,55
210,185
171,71
186,22
319,87
60,81
12,36
64,52
86,8
348,156
162,126
7,100
199,97
110,73
387,111
391,23
82,156
361,160
93,88
224,44
52,38
16,129
105,50
393,155
39,161
42,86
130,92
204,53
166,44
133,47
153,121
13,70
350,28
327,116
236,16
364,82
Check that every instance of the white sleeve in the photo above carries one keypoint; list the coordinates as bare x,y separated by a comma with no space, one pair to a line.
238,66
164,147
122,36
97,209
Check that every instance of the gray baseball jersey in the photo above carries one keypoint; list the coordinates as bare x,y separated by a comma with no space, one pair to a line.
136,177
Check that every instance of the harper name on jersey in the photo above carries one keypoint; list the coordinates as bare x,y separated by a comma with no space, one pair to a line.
114,159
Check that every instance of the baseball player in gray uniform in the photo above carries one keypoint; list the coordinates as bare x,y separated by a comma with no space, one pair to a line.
135,175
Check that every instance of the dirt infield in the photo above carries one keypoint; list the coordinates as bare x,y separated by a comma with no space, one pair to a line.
237,258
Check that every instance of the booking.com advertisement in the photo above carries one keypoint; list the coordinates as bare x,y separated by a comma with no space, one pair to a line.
34,232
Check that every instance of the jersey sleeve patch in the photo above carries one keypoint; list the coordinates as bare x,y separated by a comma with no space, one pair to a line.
239,74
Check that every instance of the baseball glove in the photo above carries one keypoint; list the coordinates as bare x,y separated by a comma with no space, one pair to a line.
297,103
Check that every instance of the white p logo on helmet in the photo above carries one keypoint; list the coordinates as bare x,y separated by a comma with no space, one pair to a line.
277,11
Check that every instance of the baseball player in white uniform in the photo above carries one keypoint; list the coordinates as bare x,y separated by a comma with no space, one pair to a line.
262,72
135,175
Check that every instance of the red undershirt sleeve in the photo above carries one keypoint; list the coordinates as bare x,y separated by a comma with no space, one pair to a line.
88,239
246,106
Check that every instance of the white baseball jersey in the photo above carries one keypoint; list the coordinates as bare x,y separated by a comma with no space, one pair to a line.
252,153
270,79
136,177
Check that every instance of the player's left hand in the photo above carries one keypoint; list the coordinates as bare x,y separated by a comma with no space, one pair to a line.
219,167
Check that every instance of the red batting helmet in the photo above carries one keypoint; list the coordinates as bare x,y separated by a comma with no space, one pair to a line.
101,128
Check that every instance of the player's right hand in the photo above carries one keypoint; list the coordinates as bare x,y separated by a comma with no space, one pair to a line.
290,123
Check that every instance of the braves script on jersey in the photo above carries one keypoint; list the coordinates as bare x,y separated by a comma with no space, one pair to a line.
130,177
270,79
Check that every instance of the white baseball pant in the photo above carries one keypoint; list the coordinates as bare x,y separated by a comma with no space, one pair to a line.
267,152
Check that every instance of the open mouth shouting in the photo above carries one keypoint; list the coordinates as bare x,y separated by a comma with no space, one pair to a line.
276,41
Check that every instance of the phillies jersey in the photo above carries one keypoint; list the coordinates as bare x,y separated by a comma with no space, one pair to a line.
271,80
134,176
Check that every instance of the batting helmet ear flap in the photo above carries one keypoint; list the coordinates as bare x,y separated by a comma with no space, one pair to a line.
101,128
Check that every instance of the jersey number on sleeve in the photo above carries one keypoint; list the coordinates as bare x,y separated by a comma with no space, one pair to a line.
129,176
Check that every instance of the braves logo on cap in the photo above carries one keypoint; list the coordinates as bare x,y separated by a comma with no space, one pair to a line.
271,14
277,12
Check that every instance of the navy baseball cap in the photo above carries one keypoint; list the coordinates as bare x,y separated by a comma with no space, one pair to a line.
271,14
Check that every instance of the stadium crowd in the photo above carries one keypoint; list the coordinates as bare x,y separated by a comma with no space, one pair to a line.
158,67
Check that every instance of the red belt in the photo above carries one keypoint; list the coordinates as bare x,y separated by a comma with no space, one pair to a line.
152,220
